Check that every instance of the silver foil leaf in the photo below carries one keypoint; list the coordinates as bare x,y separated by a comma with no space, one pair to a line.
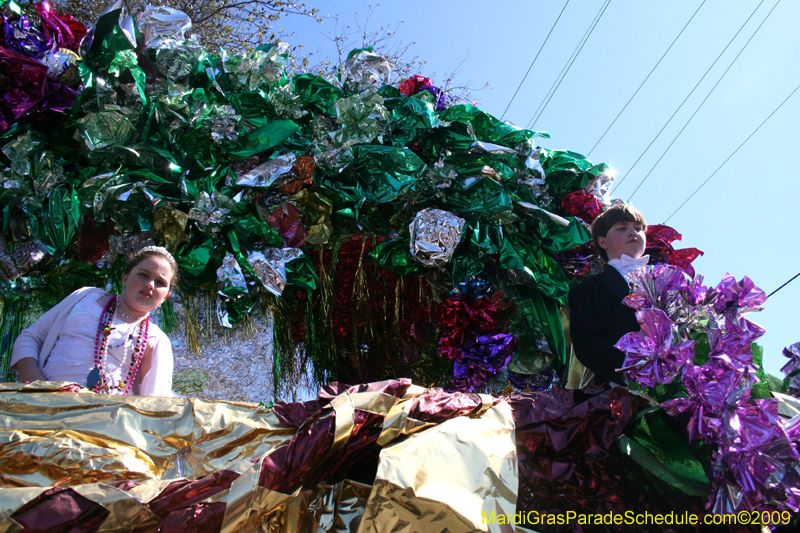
435,234
163,27
266,174
270,267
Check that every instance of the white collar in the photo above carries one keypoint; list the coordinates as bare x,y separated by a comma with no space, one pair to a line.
627,264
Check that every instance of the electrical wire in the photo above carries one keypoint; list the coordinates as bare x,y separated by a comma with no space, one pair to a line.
567,65
733,153
687,96
703,102
785,284
646,78
534,60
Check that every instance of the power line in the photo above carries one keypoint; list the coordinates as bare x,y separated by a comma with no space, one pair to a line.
645,80
733,153
704,101
534,59
785,284
687,96
586,38
567,65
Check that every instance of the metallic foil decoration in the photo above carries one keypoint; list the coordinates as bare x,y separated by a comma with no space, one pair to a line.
435,234
368,70
265,175
287,104
600,186
178,61
178,464
27,254
255,69
210,210
113,125
163,27
230,275
270,267
170,226
21,151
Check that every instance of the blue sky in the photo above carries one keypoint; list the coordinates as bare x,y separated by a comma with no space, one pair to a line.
744,218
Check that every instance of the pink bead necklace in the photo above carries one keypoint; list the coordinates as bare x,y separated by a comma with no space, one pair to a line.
98,380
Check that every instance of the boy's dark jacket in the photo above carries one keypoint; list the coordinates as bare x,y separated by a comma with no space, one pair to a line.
598,319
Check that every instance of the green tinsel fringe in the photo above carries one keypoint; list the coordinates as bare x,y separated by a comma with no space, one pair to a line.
169,320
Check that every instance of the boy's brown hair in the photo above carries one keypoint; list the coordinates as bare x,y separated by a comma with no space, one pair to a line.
614,215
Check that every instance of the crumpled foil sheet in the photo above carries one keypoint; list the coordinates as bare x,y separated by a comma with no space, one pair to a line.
266,174
270,267
145,464
163,27
435,234
376,457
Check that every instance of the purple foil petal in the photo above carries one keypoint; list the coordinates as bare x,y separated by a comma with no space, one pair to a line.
733,297
651,358
483,359
23,38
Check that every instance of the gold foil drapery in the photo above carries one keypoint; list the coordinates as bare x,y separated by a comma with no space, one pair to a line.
142,463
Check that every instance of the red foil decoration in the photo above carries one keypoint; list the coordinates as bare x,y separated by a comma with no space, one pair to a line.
64,29
304,169
659,247
286,219
462,319
93,239
417,320
581,204
413,85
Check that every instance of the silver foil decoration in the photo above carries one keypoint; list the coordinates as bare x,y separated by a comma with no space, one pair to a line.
555,218
368,70
479,147
210,211
270,267
163,26
251,70
600,186
266,174
230,274
435,234
27,254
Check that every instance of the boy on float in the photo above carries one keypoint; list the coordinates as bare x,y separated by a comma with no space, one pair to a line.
598,318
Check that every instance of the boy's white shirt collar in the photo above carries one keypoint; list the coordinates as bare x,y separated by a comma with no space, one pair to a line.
627,264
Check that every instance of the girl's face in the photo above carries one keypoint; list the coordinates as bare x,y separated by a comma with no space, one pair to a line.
147,285
624,238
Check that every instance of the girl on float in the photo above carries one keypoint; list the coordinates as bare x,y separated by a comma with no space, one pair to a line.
598,318
103,342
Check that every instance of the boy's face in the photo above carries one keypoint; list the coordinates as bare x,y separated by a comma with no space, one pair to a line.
624,238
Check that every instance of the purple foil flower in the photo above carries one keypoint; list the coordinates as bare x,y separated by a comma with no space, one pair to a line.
659,286
24,38
696,292
734,298
650,356
709,387
483,359
438,96
735,340
792,369
757,459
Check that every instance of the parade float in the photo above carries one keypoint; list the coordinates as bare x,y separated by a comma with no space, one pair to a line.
368,232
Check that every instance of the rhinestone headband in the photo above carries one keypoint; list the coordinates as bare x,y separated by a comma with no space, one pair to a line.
160,250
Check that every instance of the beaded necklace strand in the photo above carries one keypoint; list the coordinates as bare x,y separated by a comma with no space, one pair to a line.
104,328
